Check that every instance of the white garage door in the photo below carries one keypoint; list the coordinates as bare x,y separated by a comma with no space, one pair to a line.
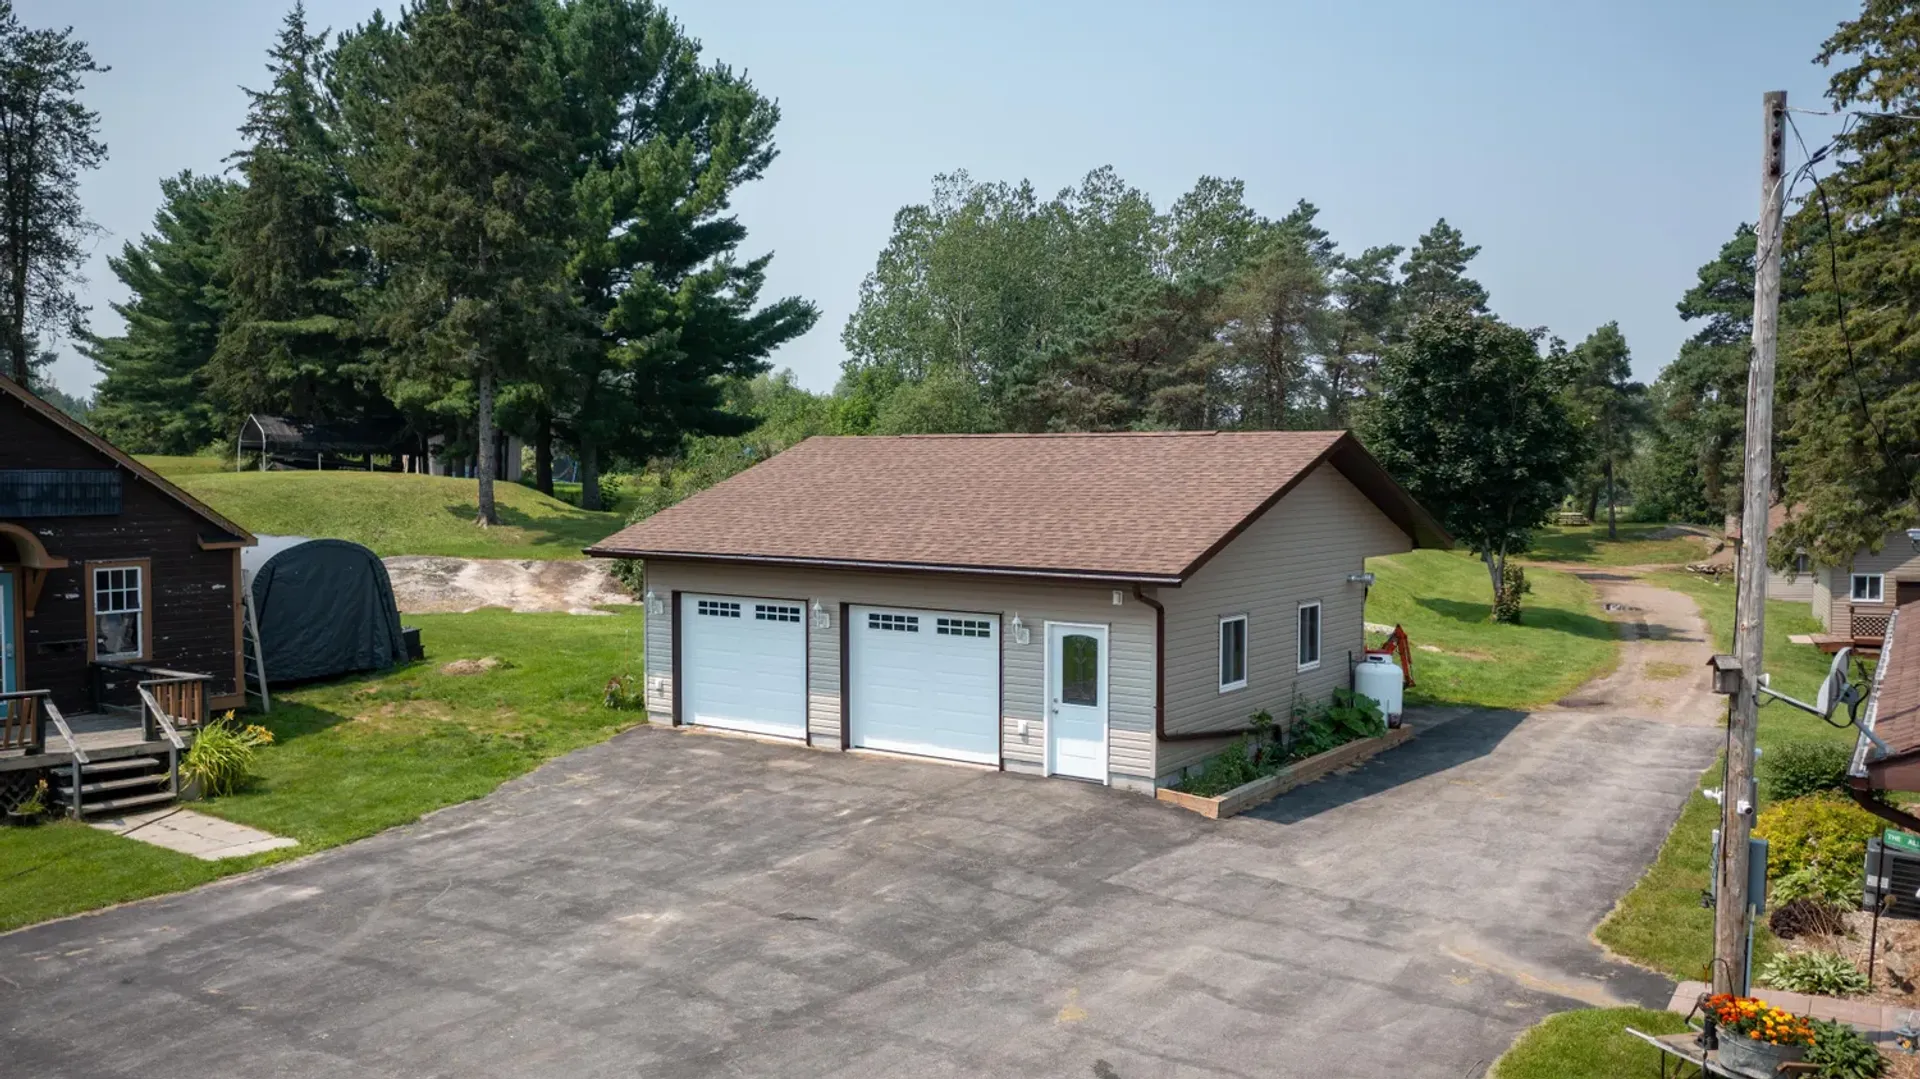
925,682
743,664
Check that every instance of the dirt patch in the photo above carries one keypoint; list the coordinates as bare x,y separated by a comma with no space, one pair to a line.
1663,655
473,666
431,584
1458,653
391,714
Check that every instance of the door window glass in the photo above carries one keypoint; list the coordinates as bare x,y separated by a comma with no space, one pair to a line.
1080,670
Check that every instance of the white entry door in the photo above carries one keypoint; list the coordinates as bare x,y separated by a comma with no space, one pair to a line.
1077,701
743,664
924,682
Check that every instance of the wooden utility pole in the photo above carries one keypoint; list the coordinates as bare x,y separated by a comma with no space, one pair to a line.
1732,909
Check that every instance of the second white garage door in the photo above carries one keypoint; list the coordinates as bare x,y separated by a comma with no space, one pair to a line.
743,664
924,682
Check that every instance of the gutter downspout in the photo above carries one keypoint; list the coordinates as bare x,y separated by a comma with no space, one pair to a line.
1899,818
1159,661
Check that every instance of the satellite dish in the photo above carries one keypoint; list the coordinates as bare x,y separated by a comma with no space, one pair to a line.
1833,691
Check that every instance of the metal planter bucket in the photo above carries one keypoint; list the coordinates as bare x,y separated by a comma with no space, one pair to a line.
1756,1058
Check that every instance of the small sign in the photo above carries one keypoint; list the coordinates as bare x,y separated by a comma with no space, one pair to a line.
1893,840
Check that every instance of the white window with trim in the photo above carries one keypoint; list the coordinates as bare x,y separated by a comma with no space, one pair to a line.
1869,587
1233,652
1309,636
119,604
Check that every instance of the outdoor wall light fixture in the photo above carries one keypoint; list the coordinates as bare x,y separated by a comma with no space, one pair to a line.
1020,635
821,619
655,605
1365,580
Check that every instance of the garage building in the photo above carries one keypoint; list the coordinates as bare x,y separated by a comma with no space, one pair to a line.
1102,607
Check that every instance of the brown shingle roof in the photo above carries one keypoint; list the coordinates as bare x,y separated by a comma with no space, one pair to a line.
1896,709
1135,506
1776,518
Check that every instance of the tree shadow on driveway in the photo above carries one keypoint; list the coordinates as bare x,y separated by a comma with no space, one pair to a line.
1452,742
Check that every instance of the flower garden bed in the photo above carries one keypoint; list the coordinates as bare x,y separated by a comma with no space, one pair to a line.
1301,772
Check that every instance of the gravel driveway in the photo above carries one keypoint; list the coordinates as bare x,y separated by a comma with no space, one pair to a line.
686,905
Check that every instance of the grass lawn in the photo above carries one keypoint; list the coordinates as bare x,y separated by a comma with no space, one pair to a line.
397,513
354,757
175,467
1588,545
1443,599
1587,1044
1660,923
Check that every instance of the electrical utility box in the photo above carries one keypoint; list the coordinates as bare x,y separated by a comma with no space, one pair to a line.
1756,874
1892,875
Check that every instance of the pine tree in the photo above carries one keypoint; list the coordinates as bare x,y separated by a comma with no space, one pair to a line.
48,139
1852,453
668,314
470,171
1613,407
296,262
1435,276
152,395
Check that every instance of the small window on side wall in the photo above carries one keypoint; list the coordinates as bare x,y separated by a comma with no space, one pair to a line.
1309,636
1802,563
1233,652
1868,587
118,601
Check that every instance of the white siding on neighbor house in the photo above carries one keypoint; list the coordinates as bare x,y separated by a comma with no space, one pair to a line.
1300,551
1130,715
1790,588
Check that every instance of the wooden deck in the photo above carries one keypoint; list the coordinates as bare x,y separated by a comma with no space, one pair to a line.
100,737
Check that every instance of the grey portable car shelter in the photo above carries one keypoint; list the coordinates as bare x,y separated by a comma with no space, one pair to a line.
325,607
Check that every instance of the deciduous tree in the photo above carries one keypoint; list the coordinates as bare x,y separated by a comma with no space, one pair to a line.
1473,420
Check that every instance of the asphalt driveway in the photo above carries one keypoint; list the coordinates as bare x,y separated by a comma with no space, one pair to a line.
682,905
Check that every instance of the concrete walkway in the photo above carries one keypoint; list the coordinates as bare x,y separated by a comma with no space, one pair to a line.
207,838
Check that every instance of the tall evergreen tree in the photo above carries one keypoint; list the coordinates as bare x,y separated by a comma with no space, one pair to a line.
48,139
1271,323
1852,454
152,396
1435,276
1613,408
470,170
1366,296
296,263
667,313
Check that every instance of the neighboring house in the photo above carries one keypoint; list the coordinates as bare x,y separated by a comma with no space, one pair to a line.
1109,607
103,561
1853,601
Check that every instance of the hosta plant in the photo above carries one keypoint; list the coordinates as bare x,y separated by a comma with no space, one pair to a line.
1826,974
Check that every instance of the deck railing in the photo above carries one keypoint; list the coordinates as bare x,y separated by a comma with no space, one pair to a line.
23,722
180,696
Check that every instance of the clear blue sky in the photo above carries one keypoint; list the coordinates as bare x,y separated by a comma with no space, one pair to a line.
1598,152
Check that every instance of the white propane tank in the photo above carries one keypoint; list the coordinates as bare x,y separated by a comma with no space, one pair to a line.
1379,677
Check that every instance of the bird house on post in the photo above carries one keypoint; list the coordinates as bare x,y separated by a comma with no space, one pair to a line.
1726,675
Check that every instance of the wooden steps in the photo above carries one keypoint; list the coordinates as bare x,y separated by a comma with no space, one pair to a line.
116,785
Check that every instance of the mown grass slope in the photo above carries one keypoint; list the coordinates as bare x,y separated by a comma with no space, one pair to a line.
1444,600
1638,545
354,757
397,513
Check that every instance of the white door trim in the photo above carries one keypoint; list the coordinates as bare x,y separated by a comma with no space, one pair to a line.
1047,674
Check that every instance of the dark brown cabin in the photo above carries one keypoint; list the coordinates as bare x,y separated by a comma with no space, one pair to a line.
107,571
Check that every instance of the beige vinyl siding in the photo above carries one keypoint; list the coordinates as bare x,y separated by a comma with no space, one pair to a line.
1822,599
1300,551
1896,561
1784,585
1131,627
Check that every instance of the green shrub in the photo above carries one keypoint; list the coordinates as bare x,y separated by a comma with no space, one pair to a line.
1843,1052
1816,846
221,756
1513,585
1232,768
1797,769
1356,715
1826,974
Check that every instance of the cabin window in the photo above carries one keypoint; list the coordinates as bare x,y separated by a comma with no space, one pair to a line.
1802,563
119,611
1309,636
1868,587
1233,652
